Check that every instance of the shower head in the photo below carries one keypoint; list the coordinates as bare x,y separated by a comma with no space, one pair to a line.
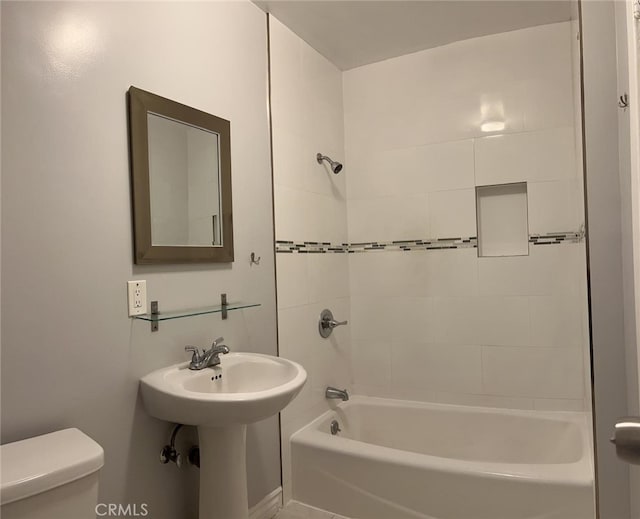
336,167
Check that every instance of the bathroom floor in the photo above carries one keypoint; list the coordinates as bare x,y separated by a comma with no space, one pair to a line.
296,510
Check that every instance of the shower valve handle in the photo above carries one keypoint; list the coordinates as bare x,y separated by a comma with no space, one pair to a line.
333,323
327,323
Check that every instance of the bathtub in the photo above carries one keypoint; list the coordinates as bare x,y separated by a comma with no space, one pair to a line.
397,459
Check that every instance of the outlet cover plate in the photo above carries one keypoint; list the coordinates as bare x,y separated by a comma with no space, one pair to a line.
137,297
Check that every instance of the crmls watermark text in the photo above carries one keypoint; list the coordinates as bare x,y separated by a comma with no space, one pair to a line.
120,510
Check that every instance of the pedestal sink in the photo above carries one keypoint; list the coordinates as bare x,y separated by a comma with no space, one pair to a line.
220,401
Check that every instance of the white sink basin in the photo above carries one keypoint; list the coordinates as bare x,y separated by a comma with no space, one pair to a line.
243,388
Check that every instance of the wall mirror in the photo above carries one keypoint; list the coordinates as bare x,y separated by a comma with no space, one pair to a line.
181,182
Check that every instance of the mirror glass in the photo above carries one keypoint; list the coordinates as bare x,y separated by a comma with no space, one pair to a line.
184,181
181,182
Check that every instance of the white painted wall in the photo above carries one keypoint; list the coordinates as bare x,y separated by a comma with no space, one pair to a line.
310,205
506,331
71,357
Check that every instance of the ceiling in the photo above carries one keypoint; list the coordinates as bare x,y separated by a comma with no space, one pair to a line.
353,33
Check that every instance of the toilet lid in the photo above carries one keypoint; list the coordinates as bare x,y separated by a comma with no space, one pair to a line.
42,463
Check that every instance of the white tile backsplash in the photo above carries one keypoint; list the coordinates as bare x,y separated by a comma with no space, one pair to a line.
506,276
372,363
403,143
441,325
388,218
553,206
452,320
556,321
388,273
292,274
452,213
310,205
533,372
290,205
436,367
448,273
328,277
447,165
530,156
545,104
503,321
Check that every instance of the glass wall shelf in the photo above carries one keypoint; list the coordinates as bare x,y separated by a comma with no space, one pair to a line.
190,312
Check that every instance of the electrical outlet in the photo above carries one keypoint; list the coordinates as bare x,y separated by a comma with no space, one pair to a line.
137,292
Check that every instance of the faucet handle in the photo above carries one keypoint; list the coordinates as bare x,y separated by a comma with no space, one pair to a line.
217,341
195,356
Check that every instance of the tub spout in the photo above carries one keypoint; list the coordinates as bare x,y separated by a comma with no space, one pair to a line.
332,392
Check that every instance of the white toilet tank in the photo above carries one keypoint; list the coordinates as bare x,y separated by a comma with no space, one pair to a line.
54,476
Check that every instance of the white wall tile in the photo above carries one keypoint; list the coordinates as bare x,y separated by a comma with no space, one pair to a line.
388,273
328,276
436,367
289,203
293,280
418,318
553,206
290,151
530,156
366,314
379,172
452,213
447,273
545,101
388,219
447,165
503,321
410,318
505,276
326,218
391,318
548,270
532,372
371,363
558,270
453,320
296,333
556,321
310,205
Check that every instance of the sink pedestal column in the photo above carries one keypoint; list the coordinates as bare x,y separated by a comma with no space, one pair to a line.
223,472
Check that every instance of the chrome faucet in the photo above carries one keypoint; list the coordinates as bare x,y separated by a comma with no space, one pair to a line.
332,392
207,358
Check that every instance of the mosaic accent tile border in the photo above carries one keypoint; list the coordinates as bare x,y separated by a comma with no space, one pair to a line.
556,238
425,244
314,247
311,247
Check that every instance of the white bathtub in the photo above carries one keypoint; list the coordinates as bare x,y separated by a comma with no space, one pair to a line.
396,459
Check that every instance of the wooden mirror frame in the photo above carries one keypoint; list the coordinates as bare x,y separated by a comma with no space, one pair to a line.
140,103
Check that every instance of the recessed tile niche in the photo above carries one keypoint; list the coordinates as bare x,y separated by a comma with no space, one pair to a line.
503,228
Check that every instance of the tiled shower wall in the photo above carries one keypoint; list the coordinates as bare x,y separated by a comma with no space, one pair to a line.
445,325
310,205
